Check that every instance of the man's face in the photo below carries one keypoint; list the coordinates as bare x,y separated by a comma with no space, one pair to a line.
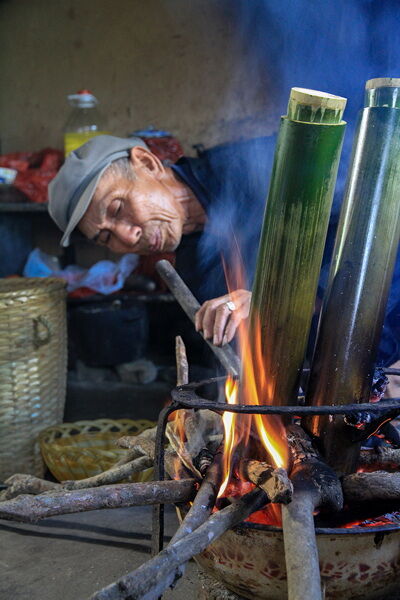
140,215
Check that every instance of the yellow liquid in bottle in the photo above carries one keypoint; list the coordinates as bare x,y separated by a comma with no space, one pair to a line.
74,140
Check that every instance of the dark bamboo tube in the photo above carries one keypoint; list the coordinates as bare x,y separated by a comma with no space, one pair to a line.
293,237
360,276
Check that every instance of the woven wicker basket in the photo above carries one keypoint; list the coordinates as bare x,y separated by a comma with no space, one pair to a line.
33,361
86,448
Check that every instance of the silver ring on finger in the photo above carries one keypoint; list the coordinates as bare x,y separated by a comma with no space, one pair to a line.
230,305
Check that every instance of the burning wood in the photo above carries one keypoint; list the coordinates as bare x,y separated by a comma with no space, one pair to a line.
382,458
152,578
192,433
275,482
29,509
315,485
377,486
201,508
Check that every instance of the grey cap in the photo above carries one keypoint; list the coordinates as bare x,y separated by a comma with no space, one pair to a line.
72,190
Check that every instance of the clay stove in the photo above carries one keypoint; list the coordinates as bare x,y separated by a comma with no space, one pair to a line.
249,560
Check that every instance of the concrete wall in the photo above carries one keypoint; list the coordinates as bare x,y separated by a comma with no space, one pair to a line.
176,64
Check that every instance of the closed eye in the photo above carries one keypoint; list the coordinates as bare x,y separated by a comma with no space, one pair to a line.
115,207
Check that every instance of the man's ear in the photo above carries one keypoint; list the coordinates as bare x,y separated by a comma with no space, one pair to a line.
141,158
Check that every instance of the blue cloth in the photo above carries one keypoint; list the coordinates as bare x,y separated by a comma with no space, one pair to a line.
231,182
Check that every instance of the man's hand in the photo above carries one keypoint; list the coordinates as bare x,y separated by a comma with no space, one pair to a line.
393,388
218,321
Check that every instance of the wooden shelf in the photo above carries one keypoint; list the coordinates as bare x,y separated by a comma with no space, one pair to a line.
25,207
13,200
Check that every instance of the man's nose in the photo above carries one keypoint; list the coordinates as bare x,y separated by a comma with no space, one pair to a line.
129,234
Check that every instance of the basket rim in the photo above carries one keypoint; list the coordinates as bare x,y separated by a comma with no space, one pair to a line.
30,286
63,427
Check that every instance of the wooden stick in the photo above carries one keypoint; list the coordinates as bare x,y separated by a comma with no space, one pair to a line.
377,486
112,475
189,304
275,482
204,501
182,367
29,509
200,510
153,577
301,554
21,483
315,484
129,441
380,459
129,456
194,535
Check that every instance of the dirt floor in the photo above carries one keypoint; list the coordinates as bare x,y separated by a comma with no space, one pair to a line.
71,557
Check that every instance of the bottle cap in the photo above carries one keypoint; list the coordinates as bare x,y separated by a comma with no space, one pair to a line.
82,99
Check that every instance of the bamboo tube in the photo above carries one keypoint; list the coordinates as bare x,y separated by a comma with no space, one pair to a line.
360,276
293,238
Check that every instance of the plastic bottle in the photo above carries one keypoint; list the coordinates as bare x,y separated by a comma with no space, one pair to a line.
84,122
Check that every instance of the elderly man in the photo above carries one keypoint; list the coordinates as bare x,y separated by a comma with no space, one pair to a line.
120,195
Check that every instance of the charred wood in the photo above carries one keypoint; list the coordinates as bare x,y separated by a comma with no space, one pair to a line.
201,508
204,501
377,486
274,482
382,458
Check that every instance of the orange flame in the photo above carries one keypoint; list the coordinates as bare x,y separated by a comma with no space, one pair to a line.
245,433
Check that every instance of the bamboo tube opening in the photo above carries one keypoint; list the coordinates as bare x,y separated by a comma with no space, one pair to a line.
383,92
311,106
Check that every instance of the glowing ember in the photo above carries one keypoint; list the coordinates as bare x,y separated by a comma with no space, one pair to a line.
388,519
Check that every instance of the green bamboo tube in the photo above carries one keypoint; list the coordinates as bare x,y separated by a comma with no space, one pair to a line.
360,275
293,237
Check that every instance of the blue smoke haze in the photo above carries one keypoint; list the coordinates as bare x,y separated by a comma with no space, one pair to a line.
329,45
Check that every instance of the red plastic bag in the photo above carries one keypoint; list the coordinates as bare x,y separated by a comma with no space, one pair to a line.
35,171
